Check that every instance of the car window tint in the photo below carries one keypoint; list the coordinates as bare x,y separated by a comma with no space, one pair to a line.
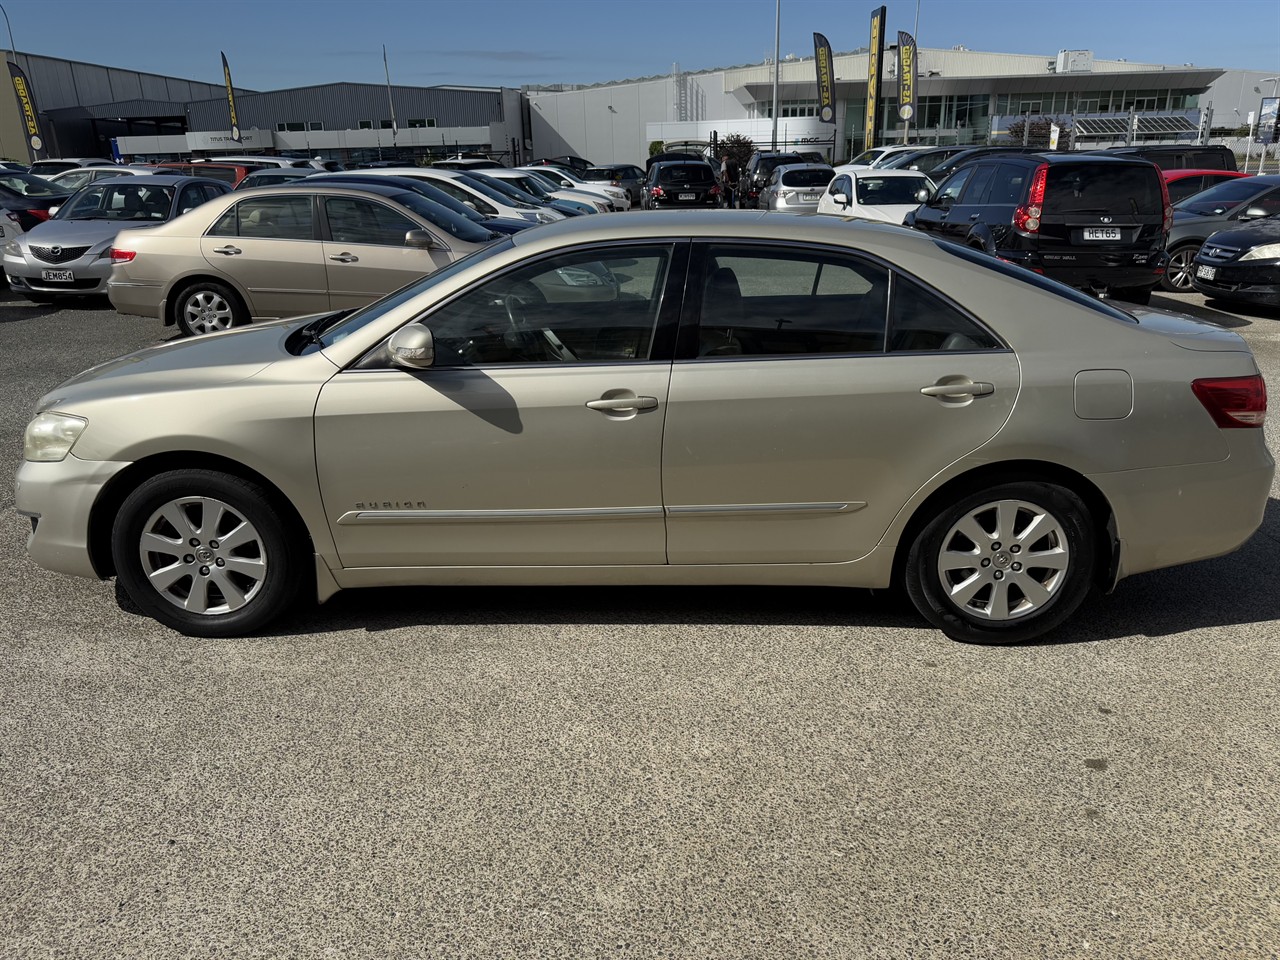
1008,184
462,196
876,190
1186,187
952,189
976,192
783,302
841,184
805,178
361,221
581,307
1270,202
920,320
268,218
1102,188
191,197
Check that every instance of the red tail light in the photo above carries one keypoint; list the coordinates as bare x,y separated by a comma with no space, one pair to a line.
1168,207
39,214
121,256
1026,218
715,190
656,192
1233,401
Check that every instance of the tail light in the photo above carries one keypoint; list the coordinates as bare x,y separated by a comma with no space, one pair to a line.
1168,207
122,256
1026,218
715,190
656,192
1233,401
39,214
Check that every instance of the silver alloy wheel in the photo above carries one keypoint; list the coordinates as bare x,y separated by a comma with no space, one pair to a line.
207,311
1004,560
202,555
1181,265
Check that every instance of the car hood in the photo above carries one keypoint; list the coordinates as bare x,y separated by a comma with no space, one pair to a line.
207,361
1251,234
80,233
1187,331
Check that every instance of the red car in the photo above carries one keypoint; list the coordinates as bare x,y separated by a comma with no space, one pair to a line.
1185,183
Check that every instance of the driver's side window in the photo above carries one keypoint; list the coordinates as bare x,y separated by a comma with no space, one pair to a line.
952,189
583,307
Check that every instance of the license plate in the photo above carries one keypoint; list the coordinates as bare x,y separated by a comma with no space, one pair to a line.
1206,273
810,198
688,196
1102,233
56,275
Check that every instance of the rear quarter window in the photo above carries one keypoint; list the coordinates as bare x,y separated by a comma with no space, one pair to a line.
1103,188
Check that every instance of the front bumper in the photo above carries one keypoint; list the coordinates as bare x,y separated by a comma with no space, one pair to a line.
89,276
57,499
1257,282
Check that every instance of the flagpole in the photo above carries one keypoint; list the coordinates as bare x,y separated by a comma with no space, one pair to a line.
777,48
390,103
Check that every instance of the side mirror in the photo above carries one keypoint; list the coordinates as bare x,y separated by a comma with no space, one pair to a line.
469,204
53,211
420,240
1253,213
412,347
922,195
840,199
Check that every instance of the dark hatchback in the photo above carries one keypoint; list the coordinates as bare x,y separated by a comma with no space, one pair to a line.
1241,264
1207,212
1095,223
678,184
29,197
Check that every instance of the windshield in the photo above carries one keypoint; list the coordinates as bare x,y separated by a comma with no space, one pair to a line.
806,178
445,219
119,201
75,179
887,191
867,156
531,185
509,190
569,175
391,301
29,186
1221,198
480,186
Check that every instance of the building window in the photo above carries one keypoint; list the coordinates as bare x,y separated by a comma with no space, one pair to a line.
315,125
386,124
420,124
291,126
366,125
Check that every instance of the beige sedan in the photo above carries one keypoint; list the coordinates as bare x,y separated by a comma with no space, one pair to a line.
277,252
716,398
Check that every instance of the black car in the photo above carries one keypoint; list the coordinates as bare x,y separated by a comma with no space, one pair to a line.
1207,212
1180,156
1095,223
756,174
925,160
968,155
678,183
29,197
1241,264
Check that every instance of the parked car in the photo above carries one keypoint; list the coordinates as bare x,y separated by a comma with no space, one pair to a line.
29,198
490,202
625,175
667,155
467,163
615,400
795,187
13,165
1187,183
922,160
570,180
230,173
755,175
274,176
503,225
47,168
577,164
10,228
1097,223
1218,208
578,201
264,162
876,156
1181,156
680,183
958,160
1242,264
875,193
68,255
544,199
278,252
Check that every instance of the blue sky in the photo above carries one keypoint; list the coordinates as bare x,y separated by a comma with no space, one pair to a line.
282,43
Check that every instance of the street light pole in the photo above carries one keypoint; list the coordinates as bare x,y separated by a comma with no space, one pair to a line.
777,48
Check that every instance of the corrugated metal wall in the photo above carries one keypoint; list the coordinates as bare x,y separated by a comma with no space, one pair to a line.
69,83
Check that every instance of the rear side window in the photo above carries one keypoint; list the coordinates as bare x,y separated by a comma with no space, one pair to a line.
1009,184
268,218
921,321
1102,188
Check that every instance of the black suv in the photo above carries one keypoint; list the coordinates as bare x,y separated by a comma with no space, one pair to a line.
677,184
1181,156
756,174
1095,223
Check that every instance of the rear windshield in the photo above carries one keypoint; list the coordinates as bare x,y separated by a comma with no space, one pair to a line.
1103,188
687,173
31,186
597,174
880,191
806,178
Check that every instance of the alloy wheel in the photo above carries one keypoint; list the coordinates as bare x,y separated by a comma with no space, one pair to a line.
207,311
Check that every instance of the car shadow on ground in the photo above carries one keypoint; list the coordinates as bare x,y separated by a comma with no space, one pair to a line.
1175,600
14,307
1220,313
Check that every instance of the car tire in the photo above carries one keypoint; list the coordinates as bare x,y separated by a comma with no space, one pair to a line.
983,590
208,307
1139,295
221,563
1177,276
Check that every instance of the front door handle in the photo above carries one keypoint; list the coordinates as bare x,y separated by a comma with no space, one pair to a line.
623,403
228,250
345,257
965,388
974,216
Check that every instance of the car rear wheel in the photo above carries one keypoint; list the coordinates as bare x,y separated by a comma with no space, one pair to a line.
1004,564
206,553
207,307
1177,277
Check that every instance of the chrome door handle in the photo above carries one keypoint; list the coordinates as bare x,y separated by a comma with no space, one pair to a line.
970,389
228,250
974,216
345,257
623,403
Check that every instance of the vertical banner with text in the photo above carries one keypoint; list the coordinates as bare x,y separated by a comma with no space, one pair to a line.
825,66
875,58
27,109
906,76
231,100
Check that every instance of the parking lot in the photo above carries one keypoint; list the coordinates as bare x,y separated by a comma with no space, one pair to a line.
590,772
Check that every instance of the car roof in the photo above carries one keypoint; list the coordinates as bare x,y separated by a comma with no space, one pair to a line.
803,166
1176,174
158,180
862,171
308,184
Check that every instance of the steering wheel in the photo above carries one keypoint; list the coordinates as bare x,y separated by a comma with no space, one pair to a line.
552,347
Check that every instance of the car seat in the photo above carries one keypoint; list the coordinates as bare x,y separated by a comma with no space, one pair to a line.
722,311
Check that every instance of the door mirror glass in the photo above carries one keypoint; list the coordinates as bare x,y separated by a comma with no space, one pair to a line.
922,195
419,240
412,347
841,199
1253,213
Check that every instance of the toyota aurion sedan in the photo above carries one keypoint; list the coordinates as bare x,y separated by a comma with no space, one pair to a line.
703,398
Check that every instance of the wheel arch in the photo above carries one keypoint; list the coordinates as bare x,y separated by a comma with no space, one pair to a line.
179,286
105,508
1102,518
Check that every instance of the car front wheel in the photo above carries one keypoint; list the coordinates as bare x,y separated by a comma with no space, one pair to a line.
1004,564
206,553
1177,277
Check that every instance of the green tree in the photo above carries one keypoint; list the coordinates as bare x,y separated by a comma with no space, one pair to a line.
1038,135
738,147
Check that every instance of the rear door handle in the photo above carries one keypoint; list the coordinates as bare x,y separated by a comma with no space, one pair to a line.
228,250
345,257
964,389
623,403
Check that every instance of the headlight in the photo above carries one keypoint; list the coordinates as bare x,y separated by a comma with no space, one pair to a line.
1268,251
50,437
546,217
602,207
11,249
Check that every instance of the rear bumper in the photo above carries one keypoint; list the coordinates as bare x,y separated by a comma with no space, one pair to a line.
142,299
1120,271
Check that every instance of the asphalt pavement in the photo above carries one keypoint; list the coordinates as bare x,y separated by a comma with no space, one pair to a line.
588,772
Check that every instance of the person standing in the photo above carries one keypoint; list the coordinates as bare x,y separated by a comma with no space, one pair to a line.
728,178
